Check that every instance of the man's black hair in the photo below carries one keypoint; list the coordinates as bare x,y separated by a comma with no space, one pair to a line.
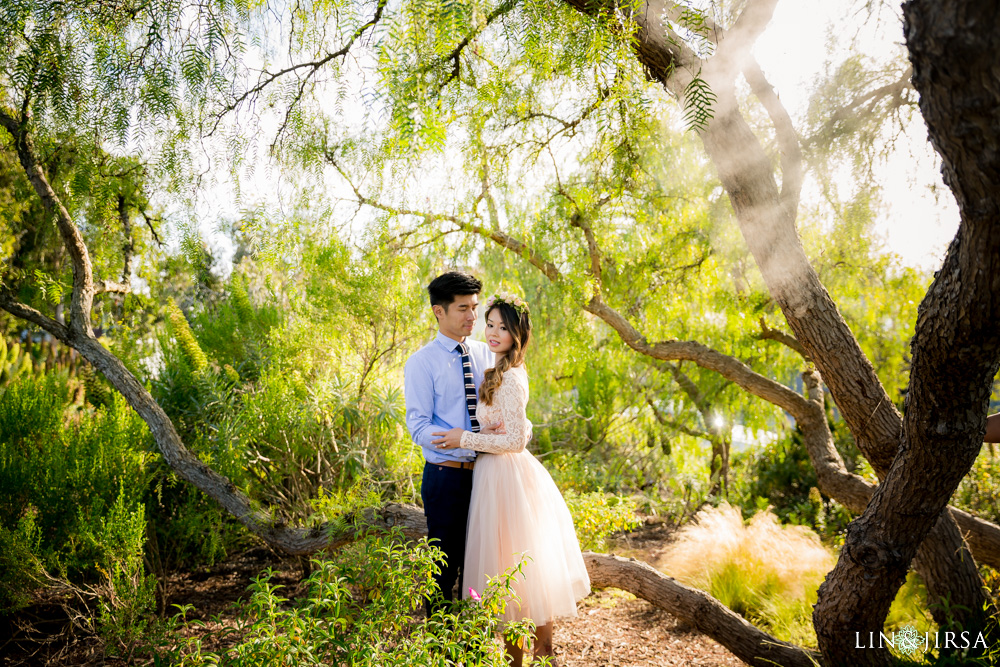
447,286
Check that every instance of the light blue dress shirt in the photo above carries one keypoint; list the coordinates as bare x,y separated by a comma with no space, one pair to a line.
435,393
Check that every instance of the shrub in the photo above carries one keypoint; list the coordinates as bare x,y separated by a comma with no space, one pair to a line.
579,473
75,481
19,567
597,515
361,608
71,473
127,593
781,477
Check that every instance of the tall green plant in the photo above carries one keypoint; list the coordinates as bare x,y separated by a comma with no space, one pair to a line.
362,608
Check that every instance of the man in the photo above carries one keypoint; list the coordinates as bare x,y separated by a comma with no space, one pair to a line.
441,385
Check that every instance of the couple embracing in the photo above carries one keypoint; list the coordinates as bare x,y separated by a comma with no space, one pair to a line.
488,501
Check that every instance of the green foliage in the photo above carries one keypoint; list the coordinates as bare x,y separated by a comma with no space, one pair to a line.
72,504
296,403
755,593
31,407
910,606
128,594
341,506
575,473
20,571
361,608
780,477
597,515
78,483
978,491
190,349
71,473
235,331
13,362
188,528
867,134
698,101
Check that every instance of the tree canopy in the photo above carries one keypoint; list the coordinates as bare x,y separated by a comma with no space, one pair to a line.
628,166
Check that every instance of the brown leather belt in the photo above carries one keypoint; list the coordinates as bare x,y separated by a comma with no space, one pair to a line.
464,465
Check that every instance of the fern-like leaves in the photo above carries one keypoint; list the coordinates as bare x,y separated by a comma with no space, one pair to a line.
698,101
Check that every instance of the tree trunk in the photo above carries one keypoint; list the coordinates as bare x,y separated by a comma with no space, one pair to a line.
956,348
766,216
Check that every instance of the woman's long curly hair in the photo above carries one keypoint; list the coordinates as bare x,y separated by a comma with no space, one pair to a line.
519,326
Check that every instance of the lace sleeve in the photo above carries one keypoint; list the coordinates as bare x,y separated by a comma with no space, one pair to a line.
512,399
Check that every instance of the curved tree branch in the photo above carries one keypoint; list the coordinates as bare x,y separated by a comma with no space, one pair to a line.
864,104
83,277
788,139
767,333
310,69
149,223
698,609
29,314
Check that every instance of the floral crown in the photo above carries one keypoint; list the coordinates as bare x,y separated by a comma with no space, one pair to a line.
512,300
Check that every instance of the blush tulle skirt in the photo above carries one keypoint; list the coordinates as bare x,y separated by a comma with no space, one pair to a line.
516,509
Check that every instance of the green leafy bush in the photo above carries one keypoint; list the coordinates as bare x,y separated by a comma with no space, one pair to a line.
362,607
20,569
71,472
78,482
293,402
580,473
780,476
596,515
128,594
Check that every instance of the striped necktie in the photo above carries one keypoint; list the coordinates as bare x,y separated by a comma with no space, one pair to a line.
470,387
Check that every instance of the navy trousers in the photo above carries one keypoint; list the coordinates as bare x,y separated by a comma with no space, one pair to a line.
446,493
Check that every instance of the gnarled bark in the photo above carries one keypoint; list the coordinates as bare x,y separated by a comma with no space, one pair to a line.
956,347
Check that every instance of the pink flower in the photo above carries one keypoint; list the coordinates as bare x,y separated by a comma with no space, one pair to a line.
473,594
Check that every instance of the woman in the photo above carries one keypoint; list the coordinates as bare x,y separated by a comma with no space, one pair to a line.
516,510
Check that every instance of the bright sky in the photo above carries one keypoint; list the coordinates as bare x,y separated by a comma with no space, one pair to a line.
792,53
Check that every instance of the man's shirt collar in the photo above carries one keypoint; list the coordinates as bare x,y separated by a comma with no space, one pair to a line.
447,342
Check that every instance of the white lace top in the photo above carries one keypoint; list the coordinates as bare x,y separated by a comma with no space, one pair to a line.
510,401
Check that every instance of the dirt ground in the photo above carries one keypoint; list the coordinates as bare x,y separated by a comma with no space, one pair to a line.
613,629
